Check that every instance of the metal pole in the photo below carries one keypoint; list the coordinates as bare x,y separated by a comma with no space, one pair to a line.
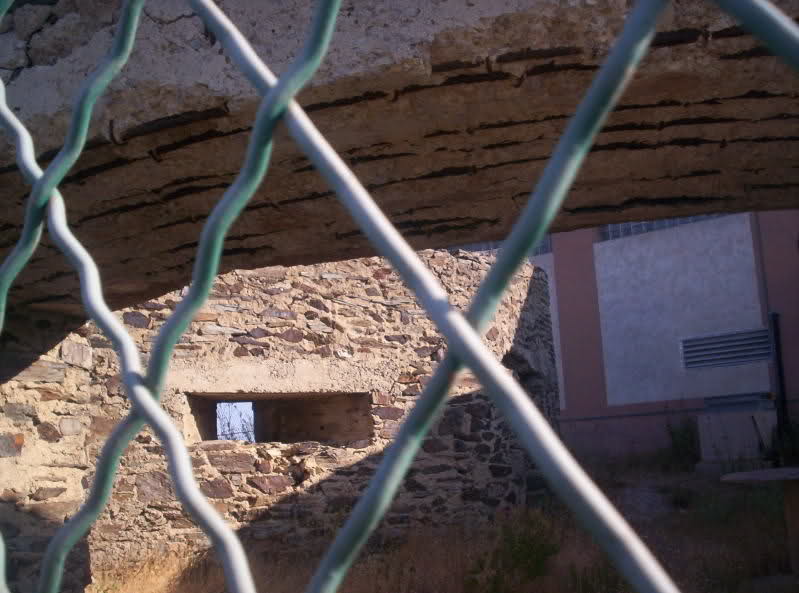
786,442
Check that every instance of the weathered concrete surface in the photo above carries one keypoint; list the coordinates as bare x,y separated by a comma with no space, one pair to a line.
446,110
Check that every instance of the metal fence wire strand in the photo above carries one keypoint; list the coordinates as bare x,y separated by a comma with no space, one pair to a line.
562,472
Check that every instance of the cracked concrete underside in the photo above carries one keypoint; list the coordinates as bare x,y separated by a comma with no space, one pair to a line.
447,113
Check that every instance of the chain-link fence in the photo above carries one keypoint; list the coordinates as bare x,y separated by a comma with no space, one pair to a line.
144,386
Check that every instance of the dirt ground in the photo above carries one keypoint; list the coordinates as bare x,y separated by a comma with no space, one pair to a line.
711,537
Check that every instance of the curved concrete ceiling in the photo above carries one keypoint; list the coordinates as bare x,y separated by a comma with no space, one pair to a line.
446,112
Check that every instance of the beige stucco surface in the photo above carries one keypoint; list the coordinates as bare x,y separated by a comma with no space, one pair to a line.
658,288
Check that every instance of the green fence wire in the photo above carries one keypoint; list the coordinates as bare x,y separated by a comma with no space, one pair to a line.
465,346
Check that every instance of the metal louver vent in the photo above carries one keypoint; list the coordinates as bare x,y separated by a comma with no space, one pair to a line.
726,349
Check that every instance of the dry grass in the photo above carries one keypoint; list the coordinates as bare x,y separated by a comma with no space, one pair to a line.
711,538
723,535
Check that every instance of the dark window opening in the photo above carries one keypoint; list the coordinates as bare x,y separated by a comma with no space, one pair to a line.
619,230
337,418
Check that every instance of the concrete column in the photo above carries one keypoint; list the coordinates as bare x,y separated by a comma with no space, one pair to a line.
580,331
779,249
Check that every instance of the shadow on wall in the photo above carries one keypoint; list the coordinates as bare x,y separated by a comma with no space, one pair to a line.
27,534
25,338
27,527
470,467
531,357
29,517
470,471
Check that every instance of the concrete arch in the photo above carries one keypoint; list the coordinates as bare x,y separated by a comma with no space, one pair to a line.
446,112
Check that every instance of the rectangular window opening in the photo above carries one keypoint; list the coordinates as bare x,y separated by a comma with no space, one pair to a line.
334,418
234,421
626,229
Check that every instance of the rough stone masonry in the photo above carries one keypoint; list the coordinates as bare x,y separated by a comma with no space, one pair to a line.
332,356
446,110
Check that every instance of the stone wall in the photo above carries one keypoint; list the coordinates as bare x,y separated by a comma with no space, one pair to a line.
348,332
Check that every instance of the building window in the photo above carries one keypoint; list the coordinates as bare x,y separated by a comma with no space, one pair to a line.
543,246
627,229
335,418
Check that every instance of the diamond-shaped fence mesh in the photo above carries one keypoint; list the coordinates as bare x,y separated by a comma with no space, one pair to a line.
143,386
